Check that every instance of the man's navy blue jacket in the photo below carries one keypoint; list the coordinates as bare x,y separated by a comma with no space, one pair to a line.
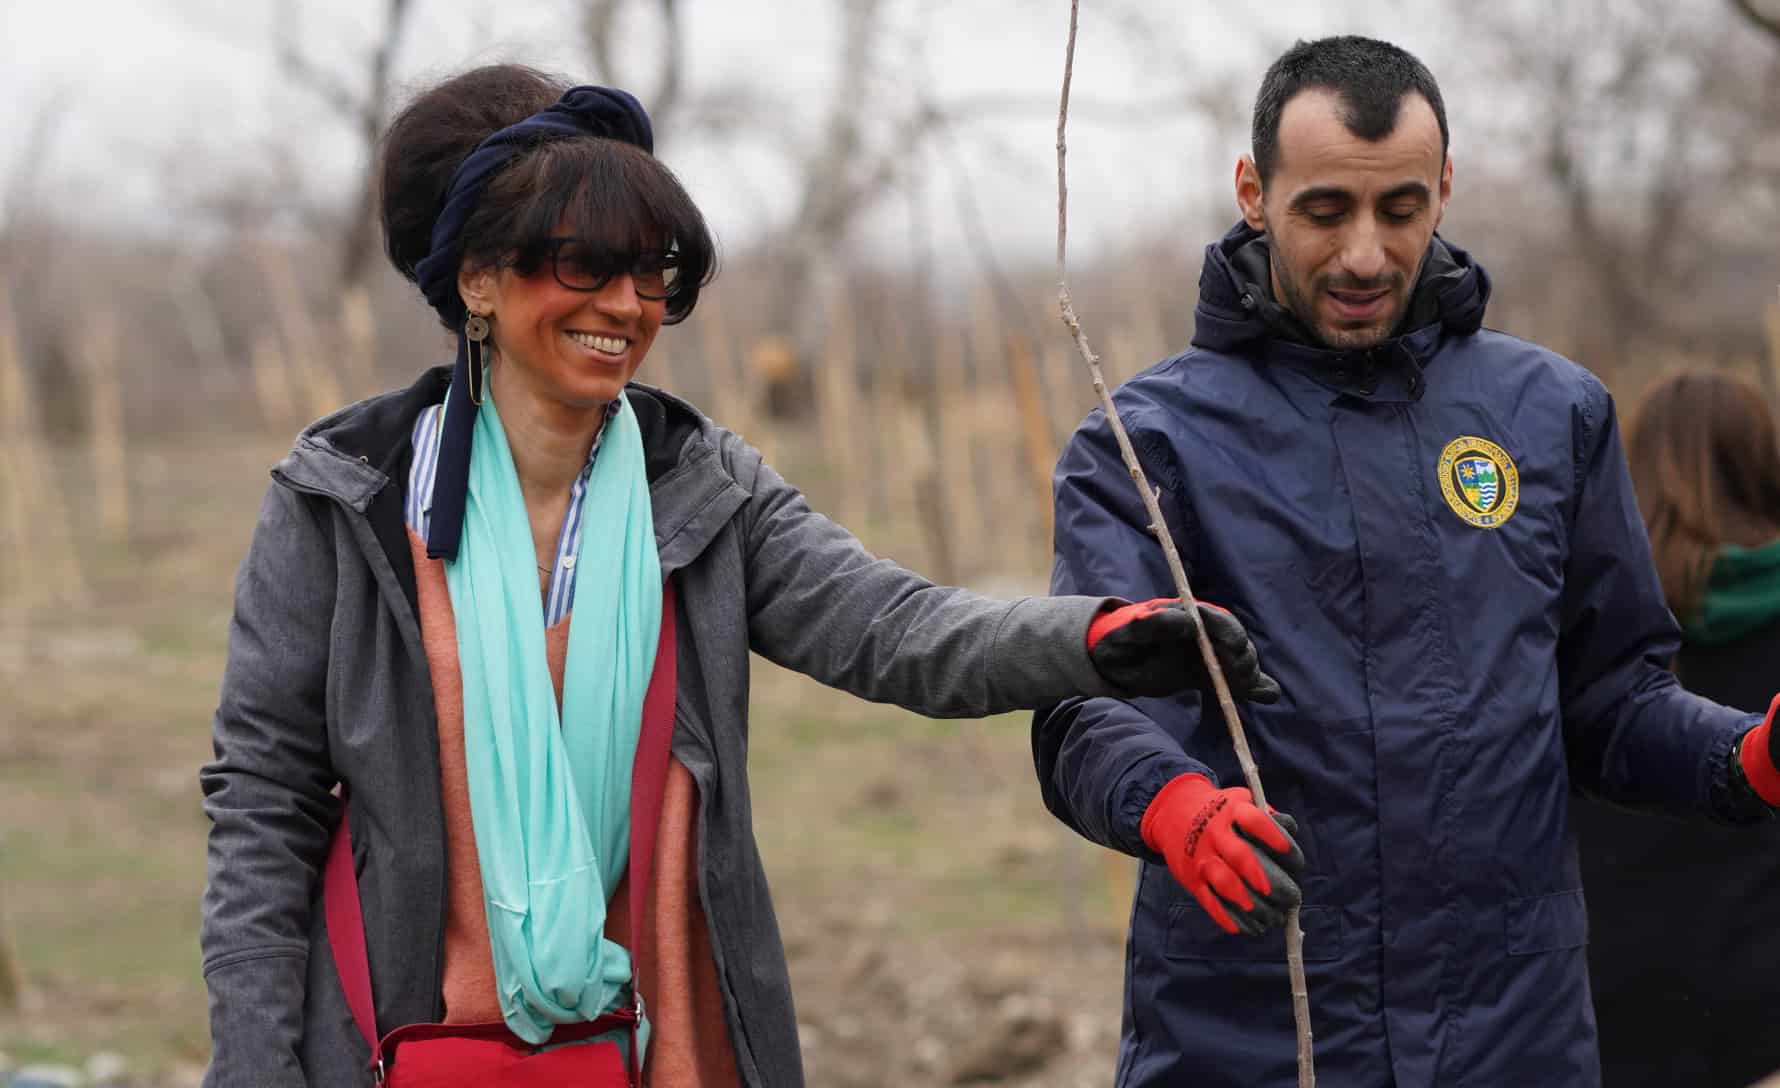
1436,549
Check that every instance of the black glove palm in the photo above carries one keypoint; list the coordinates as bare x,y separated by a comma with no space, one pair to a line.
1152,649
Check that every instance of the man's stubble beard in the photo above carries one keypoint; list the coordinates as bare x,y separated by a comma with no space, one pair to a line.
1337,339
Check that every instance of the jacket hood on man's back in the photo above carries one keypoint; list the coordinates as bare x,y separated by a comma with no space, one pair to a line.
1237,311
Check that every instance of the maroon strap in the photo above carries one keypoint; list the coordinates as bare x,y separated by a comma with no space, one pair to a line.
648,774
346,930
648,779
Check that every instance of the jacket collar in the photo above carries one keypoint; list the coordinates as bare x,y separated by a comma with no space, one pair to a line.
1238,315
354,455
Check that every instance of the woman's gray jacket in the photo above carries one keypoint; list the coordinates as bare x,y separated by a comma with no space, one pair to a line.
327,684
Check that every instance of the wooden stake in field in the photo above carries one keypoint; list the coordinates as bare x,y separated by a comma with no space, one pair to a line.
105,427
728,378
961,489
36,510
837,394
1252,776
305,354
271,381
358,321
1035,425
1067,402
994,426
12,979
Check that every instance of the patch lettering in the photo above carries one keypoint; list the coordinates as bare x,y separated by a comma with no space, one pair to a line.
1479,481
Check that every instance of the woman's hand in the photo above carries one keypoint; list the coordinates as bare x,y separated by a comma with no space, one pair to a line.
1152,649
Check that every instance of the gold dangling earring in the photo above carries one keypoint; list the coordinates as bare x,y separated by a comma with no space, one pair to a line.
476,333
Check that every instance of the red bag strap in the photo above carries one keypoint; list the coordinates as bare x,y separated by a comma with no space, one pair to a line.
346,930
648,779
648,775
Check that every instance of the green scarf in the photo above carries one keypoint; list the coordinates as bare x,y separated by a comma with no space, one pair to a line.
550,790
1742,596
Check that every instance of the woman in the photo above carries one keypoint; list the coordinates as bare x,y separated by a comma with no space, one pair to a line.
1684,956
403,631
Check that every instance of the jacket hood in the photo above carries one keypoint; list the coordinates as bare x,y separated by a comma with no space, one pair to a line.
1742,596
1237,312
351,454
354,456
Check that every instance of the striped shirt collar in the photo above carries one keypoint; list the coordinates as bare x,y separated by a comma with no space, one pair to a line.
559,598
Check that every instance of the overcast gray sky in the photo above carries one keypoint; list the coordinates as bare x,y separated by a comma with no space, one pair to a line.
153,98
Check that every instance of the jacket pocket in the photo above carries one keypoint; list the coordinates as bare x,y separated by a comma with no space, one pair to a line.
1192,935
1546,923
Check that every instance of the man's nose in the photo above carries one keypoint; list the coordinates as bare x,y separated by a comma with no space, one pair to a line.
1362,252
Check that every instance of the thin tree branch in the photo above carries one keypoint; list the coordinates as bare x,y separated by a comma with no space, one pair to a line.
671,84
360,242
1768,24
597,24
1159,528
602,29
320,82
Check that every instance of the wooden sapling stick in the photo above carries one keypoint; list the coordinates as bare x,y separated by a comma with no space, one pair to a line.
1159,528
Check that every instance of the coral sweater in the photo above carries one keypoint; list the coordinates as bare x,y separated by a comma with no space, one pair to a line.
676,969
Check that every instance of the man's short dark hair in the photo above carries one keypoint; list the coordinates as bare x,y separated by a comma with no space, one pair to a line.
1369,77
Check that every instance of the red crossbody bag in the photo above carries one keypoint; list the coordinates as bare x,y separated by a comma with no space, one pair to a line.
439,1055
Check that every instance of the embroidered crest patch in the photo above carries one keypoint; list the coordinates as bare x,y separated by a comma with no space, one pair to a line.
1479,481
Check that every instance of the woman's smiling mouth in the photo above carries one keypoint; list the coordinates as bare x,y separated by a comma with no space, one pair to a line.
601,343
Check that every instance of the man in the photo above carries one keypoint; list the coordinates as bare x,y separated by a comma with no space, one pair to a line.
1428,530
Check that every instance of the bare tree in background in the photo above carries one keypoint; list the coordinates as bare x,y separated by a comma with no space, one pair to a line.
1767,21
363,101
1644,134
605,23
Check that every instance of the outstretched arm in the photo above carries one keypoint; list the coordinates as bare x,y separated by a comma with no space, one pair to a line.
820,603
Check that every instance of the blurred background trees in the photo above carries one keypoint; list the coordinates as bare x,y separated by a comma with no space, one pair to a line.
183,286
1618,162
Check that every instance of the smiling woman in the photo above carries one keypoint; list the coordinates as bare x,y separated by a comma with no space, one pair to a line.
508,612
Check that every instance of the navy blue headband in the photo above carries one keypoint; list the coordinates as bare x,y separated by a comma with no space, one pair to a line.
582,111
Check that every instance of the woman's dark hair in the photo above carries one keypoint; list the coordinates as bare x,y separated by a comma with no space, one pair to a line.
1705,460
611,193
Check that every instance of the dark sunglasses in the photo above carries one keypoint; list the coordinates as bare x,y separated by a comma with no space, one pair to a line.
581,266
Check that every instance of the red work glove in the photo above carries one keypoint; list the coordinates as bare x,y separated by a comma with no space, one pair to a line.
1152,649
1236,860
1760,756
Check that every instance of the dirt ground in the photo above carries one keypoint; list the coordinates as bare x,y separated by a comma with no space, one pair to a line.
942,928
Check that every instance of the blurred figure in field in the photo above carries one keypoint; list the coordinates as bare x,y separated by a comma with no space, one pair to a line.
1683,954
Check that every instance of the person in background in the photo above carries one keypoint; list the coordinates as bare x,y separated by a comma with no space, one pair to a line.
451,610
1683,955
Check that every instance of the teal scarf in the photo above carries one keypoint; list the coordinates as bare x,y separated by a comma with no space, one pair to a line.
550,790
1742,595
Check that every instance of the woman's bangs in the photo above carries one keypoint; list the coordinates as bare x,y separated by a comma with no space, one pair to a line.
613,219
620,201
